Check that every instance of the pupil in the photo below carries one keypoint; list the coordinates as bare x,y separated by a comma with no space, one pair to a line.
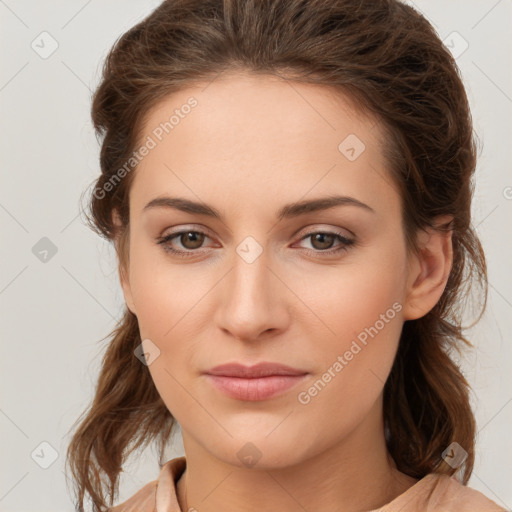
193,237
321,238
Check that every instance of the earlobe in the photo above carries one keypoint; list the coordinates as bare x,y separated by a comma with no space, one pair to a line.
429,270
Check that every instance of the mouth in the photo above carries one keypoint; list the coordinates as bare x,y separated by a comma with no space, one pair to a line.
254,383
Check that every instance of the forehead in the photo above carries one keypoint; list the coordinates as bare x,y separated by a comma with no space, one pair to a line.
259,136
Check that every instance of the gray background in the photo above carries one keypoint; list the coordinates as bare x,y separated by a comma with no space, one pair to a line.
55,312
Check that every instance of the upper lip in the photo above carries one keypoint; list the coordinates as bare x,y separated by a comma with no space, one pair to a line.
264,369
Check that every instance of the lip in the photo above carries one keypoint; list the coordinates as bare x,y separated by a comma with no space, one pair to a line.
264,369
254,383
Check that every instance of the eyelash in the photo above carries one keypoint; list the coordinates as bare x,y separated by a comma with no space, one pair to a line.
347,242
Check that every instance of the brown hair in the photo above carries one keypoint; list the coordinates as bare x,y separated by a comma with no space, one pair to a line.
388,59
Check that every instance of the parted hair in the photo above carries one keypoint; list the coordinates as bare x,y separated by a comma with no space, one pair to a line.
385,57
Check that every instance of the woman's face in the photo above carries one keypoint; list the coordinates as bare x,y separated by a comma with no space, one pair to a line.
322,290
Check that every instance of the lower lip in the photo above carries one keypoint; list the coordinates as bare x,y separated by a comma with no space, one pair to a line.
255,389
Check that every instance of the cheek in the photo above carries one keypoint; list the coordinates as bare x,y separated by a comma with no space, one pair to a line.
357,295
167,301
163,293
361,307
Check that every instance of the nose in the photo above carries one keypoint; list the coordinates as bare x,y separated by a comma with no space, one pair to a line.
253,300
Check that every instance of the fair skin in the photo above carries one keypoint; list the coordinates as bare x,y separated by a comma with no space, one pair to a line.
250,146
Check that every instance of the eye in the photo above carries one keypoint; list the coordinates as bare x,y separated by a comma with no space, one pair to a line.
322,241
190,240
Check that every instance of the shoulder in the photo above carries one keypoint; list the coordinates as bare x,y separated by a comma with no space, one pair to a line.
441,493
449,494
143,500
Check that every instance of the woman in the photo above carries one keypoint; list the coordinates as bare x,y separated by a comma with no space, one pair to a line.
288,189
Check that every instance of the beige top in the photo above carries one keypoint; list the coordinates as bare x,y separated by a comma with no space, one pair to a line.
433,493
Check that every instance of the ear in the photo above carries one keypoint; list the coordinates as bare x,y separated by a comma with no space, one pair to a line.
122,239
429,270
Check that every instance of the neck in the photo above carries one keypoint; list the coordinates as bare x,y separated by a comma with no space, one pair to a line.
357,474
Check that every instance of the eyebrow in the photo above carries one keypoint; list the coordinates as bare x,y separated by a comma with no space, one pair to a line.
287,211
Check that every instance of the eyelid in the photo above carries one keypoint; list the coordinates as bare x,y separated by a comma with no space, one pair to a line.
324,228
185,228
